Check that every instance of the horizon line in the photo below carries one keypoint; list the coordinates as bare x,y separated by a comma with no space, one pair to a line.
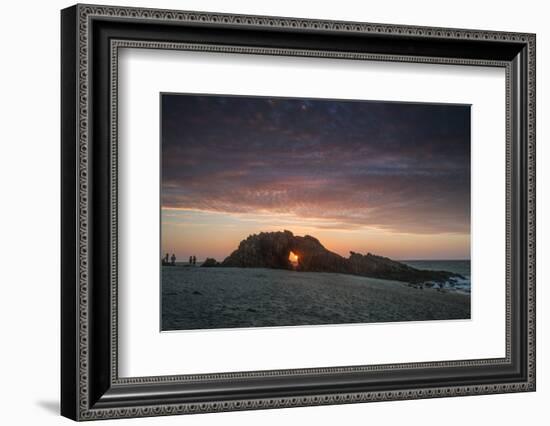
374,254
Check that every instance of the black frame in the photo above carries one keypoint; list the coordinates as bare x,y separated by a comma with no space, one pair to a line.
90,386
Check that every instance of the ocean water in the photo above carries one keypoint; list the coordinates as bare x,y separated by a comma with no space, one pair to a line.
461,267
209,298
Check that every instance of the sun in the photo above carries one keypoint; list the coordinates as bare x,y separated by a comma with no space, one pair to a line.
293,258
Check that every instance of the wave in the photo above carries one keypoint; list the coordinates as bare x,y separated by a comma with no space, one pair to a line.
461,267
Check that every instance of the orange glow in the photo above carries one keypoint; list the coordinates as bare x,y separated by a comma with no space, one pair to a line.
211,234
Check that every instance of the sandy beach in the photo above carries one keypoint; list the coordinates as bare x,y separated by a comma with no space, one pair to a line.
207,298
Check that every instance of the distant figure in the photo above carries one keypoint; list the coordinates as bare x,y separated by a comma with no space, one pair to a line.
165,260
173,259
190,260
194,260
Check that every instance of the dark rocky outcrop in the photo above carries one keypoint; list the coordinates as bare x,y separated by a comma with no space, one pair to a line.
271,250
210,262
382,267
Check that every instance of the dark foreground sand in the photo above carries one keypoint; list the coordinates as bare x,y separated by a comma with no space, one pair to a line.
199,298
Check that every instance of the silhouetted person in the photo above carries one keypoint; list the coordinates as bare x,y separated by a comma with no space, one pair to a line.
165,260
190,260
194,260
173,259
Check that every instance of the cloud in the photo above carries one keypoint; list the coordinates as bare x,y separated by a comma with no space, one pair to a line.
400,167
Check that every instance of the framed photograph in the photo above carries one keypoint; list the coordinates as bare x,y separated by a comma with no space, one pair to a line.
263,212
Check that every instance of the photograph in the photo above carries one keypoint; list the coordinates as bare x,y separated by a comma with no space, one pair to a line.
299,211
261,209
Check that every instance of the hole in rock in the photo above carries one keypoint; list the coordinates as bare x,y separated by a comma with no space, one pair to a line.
293,258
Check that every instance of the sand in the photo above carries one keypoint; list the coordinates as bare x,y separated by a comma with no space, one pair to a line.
205,298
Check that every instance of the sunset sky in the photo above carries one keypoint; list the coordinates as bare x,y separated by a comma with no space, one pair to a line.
387,178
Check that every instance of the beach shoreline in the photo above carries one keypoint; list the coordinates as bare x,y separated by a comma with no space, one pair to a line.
210,298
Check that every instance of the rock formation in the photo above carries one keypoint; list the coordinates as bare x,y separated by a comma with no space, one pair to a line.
210,262
271,250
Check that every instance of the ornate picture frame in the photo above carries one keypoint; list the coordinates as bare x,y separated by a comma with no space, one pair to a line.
91,37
